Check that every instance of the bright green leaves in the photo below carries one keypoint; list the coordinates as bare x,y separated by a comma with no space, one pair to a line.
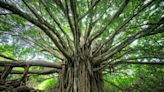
47,84
8,51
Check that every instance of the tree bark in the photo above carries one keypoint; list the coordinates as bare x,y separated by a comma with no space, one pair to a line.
80,77
32,63
46,71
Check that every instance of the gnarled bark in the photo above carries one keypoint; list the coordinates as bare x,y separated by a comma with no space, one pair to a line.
80,77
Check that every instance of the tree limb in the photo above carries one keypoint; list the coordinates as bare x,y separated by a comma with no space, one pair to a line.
15,10
89,10
32,63
120,28
56,21
140,63
66,13
6,72
45,47
145,57
92,22
43,21
6,57
116,15
77,30
4,14
129,40
26,69
47,71
60,4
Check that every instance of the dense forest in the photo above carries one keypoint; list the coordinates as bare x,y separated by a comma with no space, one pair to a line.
81,45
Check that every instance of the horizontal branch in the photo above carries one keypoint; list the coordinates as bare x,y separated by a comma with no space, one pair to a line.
32,63
145,57
141,63
6,57
4,14
47,71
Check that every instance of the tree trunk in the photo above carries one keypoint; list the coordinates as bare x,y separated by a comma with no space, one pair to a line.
79,77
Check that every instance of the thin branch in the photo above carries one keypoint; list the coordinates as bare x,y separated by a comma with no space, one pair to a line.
140,25
55,20
89,29
60,4
6,57
77,34
40,18
127,61
160,30
120,28
69,19
116,15
92,22
129,40
140,63
4,14
145,57
65,10
89,10
47,48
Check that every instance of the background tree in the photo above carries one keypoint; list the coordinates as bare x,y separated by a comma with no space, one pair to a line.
84,38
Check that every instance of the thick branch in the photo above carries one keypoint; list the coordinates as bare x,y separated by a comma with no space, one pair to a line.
47,71
6,72
32,63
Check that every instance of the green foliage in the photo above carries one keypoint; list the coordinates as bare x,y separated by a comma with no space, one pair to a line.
7,50
136,78
47,84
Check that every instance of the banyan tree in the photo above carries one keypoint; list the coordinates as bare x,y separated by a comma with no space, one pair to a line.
84,38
